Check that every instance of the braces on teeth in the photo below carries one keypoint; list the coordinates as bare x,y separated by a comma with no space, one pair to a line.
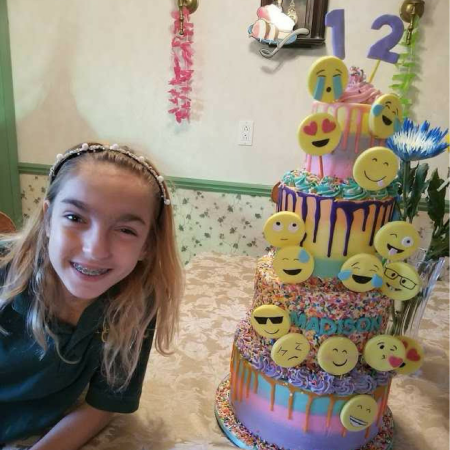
85,271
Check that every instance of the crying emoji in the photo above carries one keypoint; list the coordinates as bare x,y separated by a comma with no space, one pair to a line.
327,79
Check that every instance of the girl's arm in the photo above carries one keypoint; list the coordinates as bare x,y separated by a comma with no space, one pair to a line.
75,429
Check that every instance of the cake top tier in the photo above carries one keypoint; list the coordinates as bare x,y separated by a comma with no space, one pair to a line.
358,89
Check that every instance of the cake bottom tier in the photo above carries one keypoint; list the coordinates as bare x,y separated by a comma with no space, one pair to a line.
249,436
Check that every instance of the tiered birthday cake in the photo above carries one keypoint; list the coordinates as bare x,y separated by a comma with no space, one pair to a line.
311,365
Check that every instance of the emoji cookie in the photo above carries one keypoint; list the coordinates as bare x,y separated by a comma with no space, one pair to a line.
270,321
283,229
414,356
359,413
384,353
337,355
375,168
401,281
386,116
290,350
327,79
397,240
319,134
293,264
361,273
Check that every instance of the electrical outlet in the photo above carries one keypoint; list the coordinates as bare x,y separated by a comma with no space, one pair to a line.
245,134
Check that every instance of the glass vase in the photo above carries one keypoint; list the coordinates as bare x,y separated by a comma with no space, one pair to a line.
406,316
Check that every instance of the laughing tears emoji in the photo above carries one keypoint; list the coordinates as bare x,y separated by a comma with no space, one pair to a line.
359,413
361,273
375,168
385,116
397,240
384,353
319,134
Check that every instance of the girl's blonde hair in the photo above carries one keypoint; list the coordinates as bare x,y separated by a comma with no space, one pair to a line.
154,288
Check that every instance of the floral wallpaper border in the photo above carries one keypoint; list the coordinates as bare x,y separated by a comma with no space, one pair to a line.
209,221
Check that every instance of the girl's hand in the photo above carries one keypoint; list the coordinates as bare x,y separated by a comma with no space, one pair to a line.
75,429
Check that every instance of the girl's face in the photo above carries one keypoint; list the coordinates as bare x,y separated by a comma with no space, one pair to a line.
98,228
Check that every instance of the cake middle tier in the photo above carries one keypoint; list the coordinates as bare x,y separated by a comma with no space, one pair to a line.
336,228
320,308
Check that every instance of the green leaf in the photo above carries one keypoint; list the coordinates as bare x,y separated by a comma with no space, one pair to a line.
436,200
403,56
439,246
417,186
404,76
407,180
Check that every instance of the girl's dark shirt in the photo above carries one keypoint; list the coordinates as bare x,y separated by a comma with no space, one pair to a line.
36,391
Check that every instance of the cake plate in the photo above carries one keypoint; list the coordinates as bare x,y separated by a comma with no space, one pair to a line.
240,436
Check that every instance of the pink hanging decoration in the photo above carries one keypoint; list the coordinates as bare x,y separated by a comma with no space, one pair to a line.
182,67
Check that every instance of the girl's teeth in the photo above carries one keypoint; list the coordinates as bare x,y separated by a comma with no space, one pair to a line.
86,271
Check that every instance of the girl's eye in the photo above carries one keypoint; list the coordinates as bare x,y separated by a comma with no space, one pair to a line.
128,231
73,218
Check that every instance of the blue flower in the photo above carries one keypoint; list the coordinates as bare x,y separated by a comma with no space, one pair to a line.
417,142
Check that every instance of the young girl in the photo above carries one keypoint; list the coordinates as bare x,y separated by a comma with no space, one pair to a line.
82,287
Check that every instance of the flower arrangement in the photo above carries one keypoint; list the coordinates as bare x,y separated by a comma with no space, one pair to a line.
415,143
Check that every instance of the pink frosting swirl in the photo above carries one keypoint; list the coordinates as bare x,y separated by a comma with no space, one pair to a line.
358,89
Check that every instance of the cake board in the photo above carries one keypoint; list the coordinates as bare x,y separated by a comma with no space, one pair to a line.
241,437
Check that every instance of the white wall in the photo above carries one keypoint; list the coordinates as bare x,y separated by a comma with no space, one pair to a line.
99,69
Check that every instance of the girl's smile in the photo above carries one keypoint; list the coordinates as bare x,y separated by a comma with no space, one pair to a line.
97,235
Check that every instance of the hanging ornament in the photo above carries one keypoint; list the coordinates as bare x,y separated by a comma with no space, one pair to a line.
182,51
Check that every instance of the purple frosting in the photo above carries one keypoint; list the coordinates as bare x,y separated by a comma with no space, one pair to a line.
383,378
364,383
256,350
299,377
344,386
321,383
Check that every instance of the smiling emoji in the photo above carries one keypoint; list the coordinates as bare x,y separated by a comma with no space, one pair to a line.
293,264
327,79
384,353
359,413
375,168
361,273
270,321
283,229
337,355
401,281
397,240
386,116
290,350
413,358
319,134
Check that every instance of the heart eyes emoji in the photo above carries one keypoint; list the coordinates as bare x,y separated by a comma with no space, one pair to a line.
319,134
311,129
327,127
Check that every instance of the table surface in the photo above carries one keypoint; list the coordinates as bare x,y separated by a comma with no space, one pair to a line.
177,403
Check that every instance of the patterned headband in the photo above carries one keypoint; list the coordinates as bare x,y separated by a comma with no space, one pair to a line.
86,148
